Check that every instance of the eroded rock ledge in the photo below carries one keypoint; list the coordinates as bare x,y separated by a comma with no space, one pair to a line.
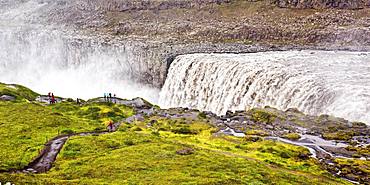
319,4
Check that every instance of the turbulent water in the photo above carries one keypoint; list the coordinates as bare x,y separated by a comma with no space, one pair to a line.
50,57
69,66
316,82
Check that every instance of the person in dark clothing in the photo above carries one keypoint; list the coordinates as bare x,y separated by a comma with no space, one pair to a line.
110,125
78,101
49,97
110,97
52,98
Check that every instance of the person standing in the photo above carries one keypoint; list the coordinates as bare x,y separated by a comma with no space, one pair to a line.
114,98
52,98
49,97
110,126
110,97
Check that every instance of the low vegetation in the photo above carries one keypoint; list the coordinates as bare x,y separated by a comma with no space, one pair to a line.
150,156
26,126
155,150
17,91
292,136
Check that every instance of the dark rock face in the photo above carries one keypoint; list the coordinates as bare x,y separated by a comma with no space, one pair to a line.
317,4
134,5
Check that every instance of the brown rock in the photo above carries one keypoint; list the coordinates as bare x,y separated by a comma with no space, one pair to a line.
185,151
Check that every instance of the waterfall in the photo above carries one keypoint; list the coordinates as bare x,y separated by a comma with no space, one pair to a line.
71,65
39,50
316,82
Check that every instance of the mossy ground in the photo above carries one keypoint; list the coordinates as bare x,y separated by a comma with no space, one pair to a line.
143,152
26,126
17,91
292,136
149,157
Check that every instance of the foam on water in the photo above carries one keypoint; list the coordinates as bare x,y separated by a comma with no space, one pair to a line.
316,82
51,61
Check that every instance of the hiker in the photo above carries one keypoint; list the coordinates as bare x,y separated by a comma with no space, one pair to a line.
115,98
78,101
105,97
110,125
52,98
49,97
110,97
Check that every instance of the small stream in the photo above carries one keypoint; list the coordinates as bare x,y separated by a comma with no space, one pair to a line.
314,144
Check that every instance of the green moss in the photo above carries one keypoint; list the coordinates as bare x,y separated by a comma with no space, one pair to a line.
17,91
67,131
292,136
202,115
183,130
359,169
136,128
360,151
140,158
252,138
34,125
102,112
260,115
256,132
341,135
146,157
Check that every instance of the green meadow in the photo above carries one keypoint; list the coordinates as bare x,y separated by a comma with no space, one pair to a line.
169,151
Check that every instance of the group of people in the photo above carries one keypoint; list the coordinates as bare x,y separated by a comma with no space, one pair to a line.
51,98
108,98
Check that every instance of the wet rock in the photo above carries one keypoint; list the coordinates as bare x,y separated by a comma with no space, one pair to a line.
135,118
253,138
30,170
304,156
147,112
6,98
137,103
185,151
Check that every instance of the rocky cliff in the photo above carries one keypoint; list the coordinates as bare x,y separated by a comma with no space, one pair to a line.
341,4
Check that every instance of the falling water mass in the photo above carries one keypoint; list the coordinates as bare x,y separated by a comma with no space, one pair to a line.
316,82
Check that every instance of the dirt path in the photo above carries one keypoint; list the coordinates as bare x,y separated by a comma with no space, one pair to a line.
44,161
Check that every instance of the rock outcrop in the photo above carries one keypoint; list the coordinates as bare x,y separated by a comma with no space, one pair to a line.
135,5
318,4
6,98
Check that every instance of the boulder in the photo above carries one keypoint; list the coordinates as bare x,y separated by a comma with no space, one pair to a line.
6,98
185,151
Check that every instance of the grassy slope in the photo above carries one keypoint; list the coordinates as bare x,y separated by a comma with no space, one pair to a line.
25,126
138,154
17,91
149,157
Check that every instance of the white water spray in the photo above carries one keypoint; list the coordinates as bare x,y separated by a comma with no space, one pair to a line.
52,61
316,82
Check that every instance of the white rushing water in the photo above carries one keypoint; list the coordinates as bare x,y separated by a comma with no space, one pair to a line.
47,57
49,60
316,82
